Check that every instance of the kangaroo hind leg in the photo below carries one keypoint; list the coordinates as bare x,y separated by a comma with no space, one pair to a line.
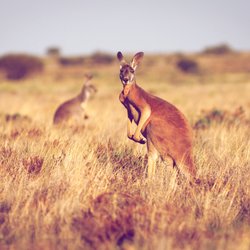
152,159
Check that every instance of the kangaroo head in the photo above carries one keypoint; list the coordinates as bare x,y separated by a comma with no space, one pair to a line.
88,89
127,70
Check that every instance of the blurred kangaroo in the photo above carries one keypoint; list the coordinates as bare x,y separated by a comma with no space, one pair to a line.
159,124
73,110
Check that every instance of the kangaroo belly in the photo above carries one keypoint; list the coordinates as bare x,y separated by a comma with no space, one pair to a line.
170,139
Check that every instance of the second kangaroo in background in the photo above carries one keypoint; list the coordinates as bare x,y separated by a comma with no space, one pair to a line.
73,110
159,124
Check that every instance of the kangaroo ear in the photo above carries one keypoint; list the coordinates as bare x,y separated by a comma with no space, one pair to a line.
136,60
88,76
120,56
121,59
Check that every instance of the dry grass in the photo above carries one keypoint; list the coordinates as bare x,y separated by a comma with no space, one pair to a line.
84,188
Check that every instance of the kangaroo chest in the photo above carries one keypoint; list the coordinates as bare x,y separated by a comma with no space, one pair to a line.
134,112
83,105
129,106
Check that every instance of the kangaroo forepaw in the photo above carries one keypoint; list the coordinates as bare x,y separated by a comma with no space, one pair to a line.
130,136
142,141
139,139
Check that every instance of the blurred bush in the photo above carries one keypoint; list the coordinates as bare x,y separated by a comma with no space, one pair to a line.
220,49
72,61
53,52
96,58
218,116
187,65
101,58
19,66
17,117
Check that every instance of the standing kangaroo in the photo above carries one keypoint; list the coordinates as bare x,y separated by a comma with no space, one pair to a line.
73,110
159,124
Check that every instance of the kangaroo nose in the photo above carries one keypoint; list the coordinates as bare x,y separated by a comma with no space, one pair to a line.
125,80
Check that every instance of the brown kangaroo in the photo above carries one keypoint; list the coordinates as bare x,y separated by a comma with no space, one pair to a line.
159,124
73,110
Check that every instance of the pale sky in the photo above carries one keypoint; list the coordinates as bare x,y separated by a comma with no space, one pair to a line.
83,27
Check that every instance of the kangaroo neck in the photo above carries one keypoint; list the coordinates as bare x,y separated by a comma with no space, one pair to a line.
84,96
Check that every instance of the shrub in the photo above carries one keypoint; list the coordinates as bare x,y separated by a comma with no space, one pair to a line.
217,116
19,66
71,61
53,52
101,58
33,164
220,49
187,65
96,58
17,118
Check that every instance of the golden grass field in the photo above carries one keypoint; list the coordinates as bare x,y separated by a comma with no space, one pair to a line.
85,187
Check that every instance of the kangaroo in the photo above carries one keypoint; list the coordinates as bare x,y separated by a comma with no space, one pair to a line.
160,124
73,110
